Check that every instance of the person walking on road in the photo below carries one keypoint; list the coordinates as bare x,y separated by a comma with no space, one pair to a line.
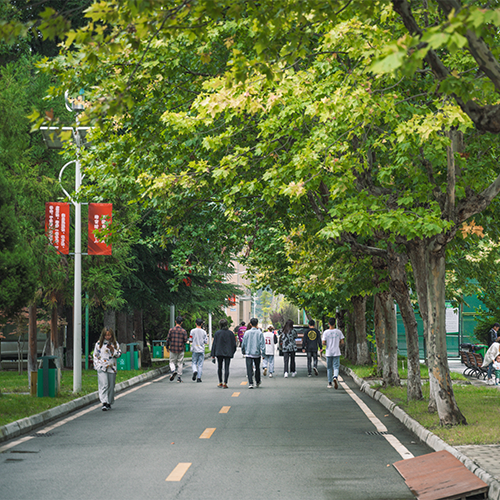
333,338
223,348
289,348
270,339
252,348
240,331
489,357
106,352
493,334
199,339
176,343
311,343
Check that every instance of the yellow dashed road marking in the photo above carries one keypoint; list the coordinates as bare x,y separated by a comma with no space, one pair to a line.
235,394
207,433
224,409
178,473
244,383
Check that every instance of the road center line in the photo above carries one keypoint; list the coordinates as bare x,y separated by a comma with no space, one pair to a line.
207,433
235,394
244,383
178,473
224,409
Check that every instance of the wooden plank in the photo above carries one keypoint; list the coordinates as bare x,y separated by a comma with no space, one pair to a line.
439,476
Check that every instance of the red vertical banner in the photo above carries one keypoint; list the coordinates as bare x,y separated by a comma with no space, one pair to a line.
100,217
57,225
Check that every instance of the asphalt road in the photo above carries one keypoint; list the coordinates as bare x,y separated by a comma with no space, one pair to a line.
291,438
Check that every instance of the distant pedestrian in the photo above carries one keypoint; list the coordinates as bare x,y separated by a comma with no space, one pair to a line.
333,338
311,343
489,357
199,339
289,348
106,352
493,334
223,348
176,344
240,331
252,348
270,339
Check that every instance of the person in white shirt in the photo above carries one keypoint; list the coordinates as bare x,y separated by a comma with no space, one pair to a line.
198,338
333,339
270,339
106,352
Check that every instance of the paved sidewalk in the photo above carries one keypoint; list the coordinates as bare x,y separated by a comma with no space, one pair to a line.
482,460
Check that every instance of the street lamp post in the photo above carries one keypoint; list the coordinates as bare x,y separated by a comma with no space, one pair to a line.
52,140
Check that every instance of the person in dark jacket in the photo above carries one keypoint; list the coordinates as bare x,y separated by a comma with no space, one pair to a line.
311,343
223,348
493,334
289,347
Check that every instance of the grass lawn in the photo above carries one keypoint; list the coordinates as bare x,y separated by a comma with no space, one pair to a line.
16,402
479,405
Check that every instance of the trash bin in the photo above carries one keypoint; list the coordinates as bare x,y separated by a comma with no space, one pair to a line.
158,349
133,353
123,362
481,348
47,378
186,347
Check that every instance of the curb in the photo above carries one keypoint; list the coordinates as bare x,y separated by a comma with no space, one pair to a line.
28,424
430,439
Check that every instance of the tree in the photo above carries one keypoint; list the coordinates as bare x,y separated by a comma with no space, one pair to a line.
323,125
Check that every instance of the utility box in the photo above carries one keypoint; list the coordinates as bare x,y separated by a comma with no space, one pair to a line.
48,378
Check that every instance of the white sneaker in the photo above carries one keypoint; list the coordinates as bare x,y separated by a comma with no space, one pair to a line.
294,373
329,386
490,382
286,375
270,375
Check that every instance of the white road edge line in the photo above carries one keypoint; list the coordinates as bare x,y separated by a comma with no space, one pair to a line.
391,439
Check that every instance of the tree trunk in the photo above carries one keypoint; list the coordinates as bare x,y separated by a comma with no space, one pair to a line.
428,262
359,326
32,350
386,333
385,323
399,289
350,341
54,339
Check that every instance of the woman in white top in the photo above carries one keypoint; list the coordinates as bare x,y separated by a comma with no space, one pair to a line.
106,352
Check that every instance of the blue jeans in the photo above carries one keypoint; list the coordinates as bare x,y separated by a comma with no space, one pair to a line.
197,359
332,367
268,362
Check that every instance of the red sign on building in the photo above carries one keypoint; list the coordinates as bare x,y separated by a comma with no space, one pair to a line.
57,225
100,217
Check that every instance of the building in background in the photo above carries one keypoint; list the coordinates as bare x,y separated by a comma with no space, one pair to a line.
241,307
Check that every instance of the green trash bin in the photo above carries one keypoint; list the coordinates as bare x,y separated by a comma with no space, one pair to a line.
123,362
47,378
481,348
186,347
158,352
133,355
